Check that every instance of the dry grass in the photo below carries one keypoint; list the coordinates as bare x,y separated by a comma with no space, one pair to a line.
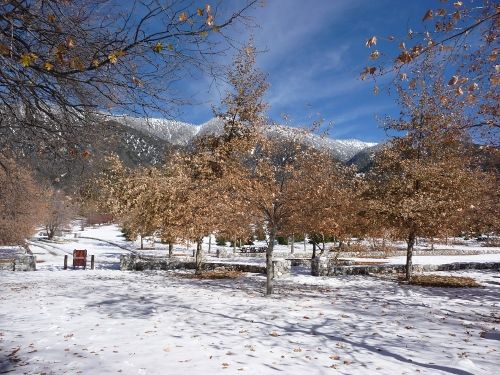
217,274
444,281
368,263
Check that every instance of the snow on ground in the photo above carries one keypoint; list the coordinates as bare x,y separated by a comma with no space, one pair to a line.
108,321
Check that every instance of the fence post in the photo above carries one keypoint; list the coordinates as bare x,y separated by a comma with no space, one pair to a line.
65,262
92,262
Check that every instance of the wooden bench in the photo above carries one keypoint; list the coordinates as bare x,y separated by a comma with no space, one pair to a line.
80,258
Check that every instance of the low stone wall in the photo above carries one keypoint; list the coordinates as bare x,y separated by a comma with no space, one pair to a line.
281,268
142,263
277,254
300,262
19,263
324,266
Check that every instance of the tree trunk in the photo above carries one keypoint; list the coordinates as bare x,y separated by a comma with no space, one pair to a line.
409,254
293,243
142,247
269,262
209,243
305,244
314,250
199,256
170,249
234,246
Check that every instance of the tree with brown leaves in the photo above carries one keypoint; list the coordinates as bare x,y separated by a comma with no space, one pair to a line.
424,181
60,211
22,205
463,37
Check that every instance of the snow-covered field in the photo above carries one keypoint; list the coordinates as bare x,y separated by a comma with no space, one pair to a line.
108,321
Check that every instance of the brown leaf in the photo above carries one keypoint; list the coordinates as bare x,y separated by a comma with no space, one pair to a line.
428,15
473,87
374,55
70,43
210,20
4,50
371,41
404,58
453,81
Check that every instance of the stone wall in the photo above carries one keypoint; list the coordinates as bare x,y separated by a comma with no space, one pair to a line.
276,254
281,268
142,263
325,266
19,263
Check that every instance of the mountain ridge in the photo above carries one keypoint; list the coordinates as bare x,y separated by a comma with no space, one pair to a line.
182,133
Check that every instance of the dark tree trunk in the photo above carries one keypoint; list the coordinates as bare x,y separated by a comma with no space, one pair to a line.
314,250
269,262
142,245
209,243
170,249
409,255
234,246
199,256
293,244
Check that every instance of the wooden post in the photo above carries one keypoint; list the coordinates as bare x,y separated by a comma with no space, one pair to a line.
92,264
65,262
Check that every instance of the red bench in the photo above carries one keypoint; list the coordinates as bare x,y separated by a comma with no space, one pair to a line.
80,258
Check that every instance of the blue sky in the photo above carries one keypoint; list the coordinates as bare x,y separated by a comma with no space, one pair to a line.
313,54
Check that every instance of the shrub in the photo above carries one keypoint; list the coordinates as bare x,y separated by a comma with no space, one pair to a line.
127,233
282,240
220,241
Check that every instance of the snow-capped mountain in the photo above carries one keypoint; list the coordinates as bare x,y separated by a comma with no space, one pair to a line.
181,133
174,132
